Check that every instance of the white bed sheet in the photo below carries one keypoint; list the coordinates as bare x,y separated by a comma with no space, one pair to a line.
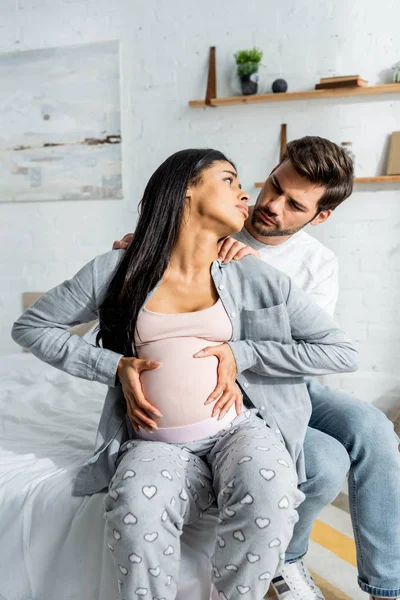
52,545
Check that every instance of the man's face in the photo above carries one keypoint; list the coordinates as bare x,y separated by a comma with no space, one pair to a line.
287,203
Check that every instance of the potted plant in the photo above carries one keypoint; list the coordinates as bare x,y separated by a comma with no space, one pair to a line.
248,62
396,69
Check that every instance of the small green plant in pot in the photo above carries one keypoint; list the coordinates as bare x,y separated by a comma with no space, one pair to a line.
248,62
396,69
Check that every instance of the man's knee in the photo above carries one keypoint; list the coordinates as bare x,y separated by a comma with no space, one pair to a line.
327,463
368,426
352,420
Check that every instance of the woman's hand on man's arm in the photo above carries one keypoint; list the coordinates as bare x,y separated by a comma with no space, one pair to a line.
228,248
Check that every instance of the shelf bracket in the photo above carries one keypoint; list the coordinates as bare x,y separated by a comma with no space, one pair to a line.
283,139
211,92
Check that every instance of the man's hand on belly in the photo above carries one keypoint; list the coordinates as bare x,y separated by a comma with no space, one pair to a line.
226,384
140,411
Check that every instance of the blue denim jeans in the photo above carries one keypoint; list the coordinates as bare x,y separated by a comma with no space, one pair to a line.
346,434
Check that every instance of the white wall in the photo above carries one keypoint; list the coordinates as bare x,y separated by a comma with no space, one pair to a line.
164,53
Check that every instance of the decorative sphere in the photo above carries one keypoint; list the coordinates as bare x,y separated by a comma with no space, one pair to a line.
279,86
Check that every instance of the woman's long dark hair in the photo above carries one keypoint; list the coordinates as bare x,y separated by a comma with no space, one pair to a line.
145,261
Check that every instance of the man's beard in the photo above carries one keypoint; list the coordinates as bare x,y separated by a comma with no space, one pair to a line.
262,228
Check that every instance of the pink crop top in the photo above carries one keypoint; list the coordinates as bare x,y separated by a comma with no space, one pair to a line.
179,388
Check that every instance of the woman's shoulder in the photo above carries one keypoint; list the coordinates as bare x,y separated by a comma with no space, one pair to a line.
97,273
253,277
103,268
107,263
256,269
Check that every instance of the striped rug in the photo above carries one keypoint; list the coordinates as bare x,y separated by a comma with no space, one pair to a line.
331,557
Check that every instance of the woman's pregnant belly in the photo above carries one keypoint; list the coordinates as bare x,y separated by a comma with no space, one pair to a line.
179,388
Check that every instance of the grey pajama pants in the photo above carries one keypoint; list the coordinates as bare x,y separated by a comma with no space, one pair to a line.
159,488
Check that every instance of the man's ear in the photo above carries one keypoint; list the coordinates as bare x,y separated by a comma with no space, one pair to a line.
321,217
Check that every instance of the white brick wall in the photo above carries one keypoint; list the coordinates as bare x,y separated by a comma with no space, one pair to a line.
364,233
164,50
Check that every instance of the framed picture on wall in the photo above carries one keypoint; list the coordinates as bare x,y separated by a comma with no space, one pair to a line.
60,134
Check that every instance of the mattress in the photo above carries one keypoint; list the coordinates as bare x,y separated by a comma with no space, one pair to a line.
53,544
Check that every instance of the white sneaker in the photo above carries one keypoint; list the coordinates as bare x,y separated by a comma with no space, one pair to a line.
294,582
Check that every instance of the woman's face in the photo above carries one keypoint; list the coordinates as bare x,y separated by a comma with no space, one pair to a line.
218,201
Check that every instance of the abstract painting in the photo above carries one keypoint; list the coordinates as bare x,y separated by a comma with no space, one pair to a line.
60,126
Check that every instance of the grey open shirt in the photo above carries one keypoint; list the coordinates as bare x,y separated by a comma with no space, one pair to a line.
279,336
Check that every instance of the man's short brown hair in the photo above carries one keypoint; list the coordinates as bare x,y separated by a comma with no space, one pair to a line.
324,163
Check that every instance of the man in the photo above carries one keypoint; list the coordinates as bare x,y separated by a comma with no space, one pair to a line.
312,179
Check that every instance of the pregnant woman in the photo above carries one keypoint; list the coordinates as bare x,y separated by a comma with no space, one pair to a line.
173,438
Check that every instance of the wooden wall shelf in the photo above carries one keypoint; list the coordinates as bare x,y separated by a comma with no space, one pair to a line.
390,88
381,179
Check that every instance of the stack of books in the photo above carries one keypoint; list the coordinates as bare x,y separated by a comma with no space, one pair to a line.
328,83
